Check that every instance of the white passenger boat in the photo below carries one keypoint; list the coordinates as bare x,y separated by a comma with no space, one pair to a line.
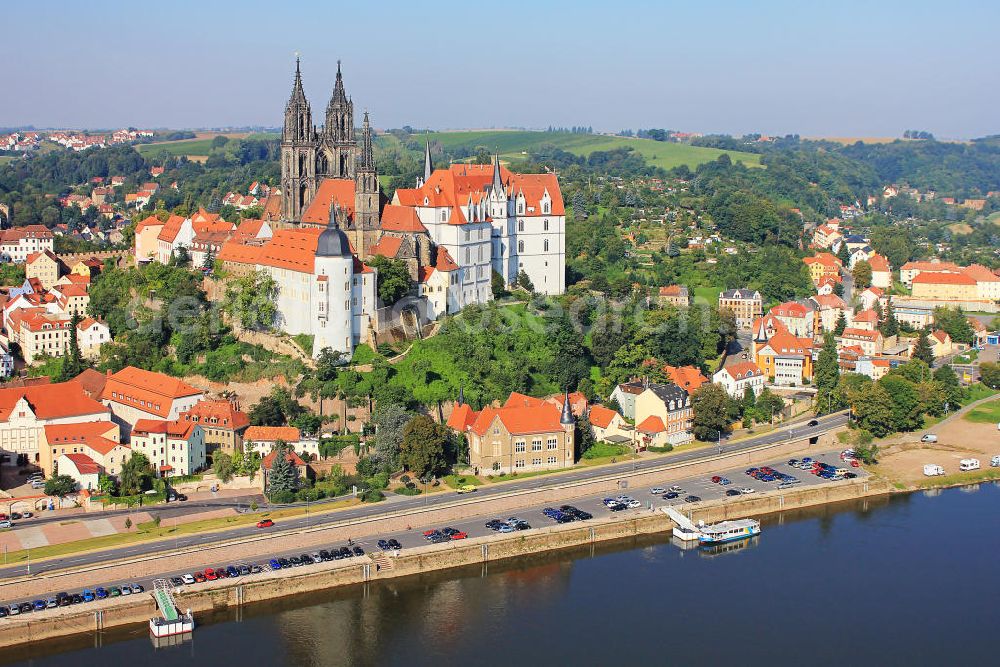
170,622
728,531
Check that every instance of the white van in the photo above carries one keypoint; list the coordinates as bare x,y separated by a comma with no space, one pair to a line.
930,437
931,470
966,465
995,462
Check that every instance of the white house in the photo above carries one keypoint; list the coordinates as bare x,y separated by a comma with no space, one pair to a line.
735,378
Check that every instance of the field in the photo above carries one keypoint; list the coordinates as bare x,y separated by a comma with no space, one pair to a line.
176,148
511,144
988,413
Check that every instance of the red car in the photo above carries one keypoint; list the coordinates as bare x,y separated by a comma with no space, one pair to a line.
199,577
855,464
716,479
210,574
459,535
429,533
265,523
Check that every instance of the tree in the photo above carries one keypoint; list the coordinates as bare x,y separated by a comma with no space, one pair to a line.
107,484
250,301
136,474
862,274
948,380
923,350
827,375
60,485
873,410
990,374
393,279
497,285
889,326
714,411
223,466
907,408
769,404
73,363
838,329
276,409
208,263
283,480
955,323
422,451
390,420
843,254
524,282
584,436
128,523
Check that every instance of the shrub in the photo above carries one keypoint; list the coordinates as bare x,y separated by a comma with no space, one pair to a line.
661,450
408,491
372,496
603,449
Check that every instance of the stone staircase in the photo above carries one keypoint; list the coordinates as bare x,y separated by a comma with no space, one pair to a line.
381,560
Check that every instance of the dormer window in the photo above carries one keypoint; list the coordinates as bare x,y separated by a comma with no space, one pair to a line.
546,207
426,201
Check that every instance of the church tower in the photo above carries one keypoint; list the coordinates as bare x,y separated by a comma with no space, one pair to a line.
367,193
298,153
340,147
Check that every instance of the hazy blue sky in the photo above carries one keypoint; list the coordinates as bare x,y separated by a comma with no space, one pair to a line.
842,69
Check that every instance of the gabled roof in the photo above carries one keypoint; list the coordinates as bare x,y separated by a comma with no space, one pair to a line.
387,246
462,417
149,391
290,456
272,433
651,424
866,316
687,378
51,401
742,370
444,262
523,420
217,414
401,219
339,190
879,263
176,428
171,228
741,293
934,278
84,464
601,416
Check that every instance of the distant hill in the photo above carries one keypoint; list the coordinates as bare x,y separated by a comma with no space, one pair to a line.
512,143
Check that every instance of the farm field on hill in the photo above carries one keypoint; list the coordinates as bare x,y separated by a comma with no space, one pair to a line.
661,154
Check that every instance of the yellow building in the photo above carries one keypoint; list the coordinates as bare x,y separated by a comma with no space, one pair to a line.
97,440
45,266
944,287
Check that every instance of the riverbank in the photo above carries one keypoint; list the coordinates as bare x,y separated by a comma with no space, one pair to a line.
266,586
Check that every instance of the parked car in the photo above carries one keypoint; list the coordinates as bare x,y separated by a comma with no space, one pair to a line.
265,523
467,488
716,479
101,593
187,579
358,551
383,545
394,544
657,491
747,490
692,499
732,492
88,595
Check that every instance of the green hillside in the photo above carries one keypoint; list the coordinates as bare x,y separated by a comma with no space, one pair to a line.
510,143
176,148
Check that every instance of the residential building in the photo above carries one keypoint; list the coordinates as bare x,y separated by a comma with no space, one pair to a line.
147,234
608,426
440,285
262,439
687,378
829,308
917,317
874,367
674,295
222,423
935,286
133,394
26,411
672,406
45,266
625,394
881,272
44,334
735,378
747,305
82,469
987,282
174,448
871,342
872,295
518,438
866,319
910,270
821,265
784,357
267,463
17,243
941,343
99,441
798,317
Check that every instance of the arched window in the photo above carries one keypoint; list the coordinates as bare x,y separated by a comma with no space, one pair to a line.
545,224
520,246
520,225
546,245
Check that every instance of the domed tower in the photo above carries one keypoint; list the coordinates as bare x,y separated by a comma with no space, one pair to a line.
568,423
298,153
333,274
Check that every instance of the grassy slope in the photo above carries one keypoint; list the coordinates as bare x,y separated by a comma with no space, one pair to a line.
510,143
173,148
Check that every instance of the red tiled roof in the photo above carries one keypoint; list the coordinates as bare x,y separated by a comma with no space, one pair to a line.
268,460
84,464
135,386
651,424
217,414
670,290
444,262
387,246
866,316
51,401
272,433
601,416
541,418
934,278
743,369
293,249
171,228
462,417
401,219
176,428
879,263
235,251
687,378
340,190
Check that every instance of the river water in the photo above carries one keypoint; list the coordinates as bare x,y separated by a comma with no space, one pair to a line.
911,580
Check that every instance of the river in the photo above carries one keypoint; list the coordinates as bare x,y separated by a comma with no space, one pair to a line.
908,580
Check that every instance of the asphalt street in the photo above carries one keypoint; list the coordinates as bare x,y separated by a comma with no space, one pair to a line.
474,526
797,431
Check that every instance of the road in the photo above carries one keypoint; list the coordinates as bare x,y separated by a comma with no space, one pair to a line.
793,431
474,526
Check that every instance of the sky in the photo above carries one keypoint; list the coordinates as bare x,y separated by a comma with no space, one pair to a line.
839,69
